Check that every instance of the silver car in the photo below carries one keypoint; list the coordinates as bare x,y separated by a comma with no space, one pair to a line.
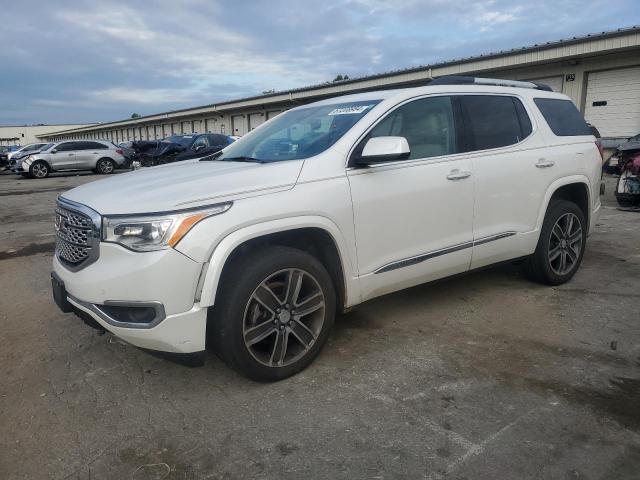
97,155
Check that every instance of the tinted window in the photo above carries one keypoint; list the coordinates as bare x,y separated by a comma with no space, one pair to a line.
201,141
215,139
563,117
67,146
90,146
523,117
492,121
427,124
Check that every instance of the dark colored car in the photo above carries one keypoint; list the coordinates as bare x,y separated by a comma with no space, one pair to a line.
628,167
177,148
5,150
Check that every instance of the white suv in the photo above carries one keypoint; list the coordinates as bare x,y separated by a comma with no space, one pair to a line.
324,207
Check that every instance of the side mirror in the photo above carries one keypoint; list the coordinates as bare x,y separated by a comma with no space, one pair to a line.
54,151
198,148
384,149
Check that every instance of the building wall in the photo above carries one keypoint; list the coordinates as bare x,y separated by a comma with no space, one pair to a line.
25,134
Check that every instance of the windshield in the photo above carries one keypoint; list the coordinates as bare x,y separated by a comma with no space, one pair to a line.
299,134
46,147
181,139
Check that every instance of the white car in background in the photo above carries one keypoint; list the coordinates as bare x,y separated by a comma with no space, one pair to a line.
324,207
26,150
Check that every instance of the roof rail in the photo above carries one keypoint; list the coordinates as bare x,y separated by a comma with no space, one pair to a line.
498,82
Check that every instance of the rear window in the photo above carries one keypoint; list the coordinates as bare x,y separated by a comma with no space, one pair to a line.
494,121
563,117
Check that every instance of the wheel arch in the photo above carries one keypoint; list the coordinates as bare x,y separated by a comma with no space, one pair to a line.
315,235
46,162
105,158
575,188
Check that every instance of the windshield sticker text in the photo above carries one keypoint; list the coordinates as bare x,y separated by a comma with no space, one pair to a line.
349,110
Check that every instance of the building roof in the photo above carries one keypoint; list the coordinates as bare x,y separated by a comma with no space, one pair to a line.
283,95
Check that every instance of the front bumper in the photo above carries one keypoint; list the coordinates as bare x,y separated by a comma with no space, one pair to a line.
119,276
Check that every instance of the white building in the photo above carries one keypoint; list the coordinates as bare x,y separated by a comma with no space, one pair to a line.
599,72
25,134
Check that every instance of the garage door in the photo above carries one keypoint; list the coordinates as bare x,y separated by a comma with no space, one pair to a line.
554,82
255,119
272,113
613,102
237,125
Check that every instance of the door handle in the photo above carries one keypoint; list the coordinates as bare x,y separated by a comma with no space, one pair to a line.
542,163
458,174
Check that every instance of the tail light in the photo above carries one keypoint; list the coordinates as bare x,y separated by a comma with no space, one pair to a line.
120,152
600,149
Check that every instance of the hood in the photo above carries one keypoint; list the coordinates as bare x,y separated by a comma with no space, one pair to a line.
187,184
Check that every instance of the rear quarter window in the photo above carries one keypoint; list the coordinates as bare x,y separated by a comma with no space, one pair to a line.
564,119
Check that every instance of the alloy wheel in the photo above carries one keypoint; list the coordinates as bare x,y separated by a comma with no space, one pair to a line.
565,244
284,317
39,170
106,166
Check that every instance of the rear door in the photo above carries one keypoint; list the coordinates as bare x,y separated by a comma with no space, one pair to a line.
511,175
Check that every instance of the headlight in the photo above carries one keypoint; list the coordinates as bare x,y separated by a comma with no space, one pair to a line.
144,233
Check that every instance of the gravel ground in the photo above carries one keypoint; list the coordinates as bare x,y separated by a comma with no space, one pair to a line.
485,376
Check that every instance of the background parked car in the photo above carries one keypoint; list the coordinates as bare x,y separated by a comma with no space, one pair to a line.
97,155
179,147
5,151
30,148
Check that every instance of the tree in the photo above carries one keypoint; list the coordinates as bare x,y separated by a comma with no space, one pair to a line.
341,77
267,92
135,115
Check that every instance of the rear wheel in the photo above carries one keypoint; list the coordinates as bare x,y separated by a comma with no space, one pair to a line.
39,169
560,246
105,166
274,313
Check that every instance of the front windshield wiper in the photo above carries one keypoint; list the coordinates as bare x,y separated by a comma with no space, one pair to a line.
243,159
213,156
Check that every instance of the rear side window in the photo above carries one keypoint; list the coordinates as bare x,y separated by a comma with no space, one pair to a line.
563,117
67,146
493,121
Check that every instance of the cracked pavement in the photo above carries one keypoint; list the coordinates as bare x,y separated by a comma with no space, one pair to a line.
482,376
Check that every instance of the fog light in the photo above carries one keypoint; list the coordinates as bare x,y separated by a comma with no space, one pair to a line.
129,314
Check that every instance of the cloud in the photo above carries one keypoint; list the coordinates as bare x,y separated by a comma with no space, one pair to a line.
78,60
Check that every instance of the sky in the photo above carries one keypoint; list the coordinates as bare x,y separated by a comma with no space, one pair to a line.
75,61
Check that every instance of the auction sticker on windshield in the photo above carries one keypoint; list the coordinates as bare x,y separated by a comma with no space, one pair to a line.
349,110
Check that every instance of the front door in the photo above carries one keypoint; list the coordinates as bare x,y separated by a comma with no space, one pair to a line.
414,218
64,156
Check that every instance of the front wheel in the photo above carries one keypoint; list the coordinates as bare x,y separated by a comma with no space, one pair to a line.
274,313
39,169
561,244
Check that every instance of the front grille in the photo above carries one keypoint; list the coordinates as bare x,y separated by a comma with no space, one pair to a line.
76,238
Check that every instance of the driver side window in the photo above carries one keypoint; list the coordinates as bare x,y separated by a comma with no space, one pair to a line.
427,124
201,142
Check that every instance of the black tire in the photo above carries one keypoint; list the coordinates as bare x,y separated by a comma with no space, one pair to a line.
39,169
236,304
539,266
105,166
